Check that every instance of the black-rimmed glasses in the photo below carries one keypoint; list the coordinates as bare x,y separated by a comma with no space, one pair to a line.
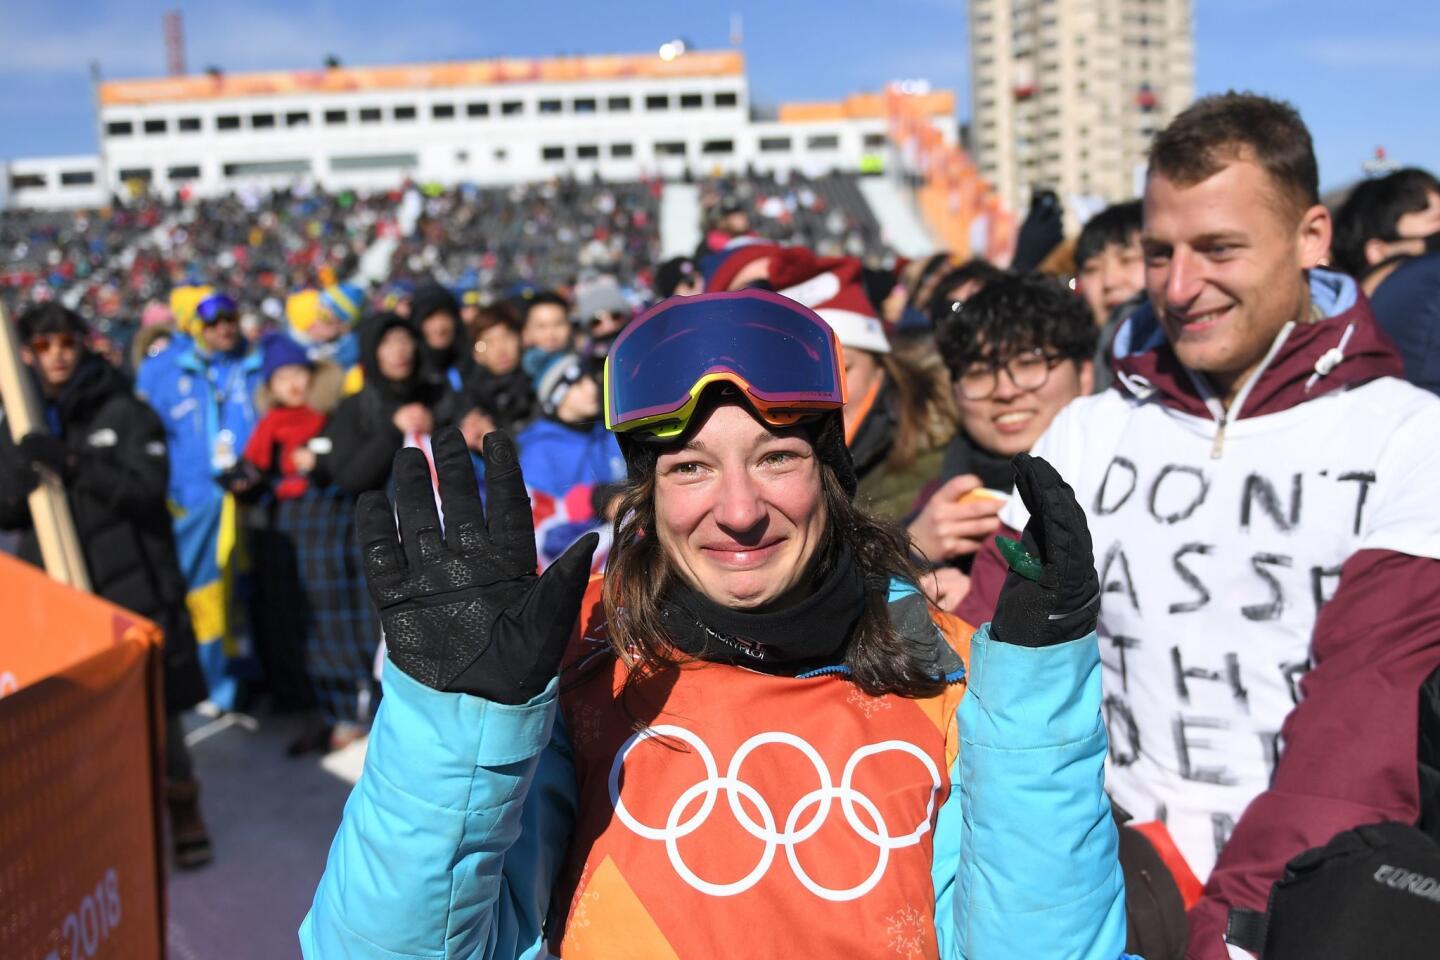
1027,370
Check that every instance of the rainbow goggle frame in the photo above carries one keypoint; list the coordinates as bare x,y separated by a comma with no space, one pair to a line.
779,354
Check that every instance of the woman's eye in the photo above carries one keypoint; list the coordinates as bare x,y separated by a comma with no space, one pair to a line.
685,469
779,458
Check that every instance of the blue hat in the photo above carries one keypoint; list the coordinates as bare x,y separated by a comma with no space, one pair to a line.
344,301
278,350
557,373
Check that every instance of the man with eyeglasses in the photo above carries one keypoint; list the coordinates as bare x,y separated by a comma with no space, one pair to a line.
203,388
1018,351
108,449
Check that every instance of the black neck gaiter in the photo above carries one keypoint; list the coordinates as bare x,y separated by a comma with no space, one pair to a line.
809,633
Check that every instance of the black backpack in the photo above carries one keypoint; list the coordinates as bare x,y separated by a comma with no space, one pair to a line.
1373,891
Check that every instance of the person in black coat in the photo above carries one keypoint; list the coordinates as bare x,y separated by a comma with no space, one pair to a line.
444,353
397,400
108,448
497,381
353,455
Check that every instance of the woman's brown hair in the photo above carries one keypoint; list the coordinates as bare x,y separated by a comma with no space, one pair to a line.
638,574
922,403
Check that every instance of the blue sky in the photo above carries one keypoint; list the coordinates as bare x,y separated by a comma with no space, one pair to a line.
1359,72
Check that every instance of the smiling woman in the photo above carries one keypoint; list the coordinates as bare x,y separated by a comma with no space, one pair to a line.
738,509
554,791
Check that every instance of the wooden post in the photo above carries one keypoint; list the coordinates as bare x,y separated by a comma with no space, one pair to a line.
49,510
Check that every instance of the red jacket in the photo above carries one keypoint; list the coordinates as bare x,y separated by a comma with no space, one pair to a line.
1350,745
289,429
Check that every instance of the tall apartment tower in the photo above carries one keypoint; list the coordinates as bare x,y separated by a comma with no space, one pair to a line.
1067,94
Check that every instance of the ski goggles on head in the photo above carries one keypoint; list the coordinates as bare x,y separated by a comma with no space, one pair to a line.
215,308
778,353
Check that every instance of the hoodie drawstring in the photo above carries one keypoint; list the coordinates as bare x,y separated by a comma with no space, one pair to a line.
1330,359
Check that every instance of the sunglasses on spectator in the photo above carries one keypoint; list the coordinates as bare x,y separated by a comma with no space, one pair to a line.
44,344
1027,370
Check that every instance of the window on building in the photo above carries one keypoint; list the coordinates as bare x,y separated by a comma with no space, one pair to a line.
691,101
27,181
874,141
140,174
622,151
442,111
369,114
717,147
552,153
657,101
670,148
297,118
155,126
405,114
189,124
512,108
263,168
262,121
587,151
551,107
774,144
335,118
584,105
186,171
727,98
228,121
375,161
119,128
477,109
501,155
618,104
823,141
77,178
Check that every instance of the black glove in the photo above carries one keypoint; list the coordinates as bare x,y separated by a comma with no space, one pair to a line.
1051,594
43,449
1042,231
241,478
17,480
467,614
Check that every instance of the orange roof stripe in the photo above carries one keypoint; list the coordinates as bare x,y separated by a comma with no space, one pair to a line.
867,106
432,75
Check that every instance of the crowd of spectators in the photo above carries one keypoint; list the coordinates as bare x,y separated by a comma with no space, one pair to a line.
497,308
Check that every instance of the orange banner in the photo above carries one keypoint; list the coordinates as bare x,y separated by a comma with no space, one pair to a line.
961,209
867,106
80,868
472,73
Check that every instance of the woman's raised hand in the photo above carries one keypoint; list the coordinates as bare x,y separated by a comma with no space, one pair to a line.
1051,593
464,611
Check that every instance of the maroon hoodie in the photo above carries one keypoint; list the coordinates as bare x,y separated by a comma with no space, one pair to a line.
1350,746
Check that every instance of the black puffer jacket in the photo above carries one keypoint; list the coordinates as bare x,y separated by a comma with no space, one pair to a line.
362,435
117,498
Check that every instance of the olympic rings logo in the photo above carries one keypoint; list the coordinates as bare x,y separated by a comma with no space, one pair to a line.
852,802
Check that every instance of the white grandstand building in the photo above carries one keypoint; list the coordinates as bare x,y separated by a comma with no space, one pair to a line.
488,122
